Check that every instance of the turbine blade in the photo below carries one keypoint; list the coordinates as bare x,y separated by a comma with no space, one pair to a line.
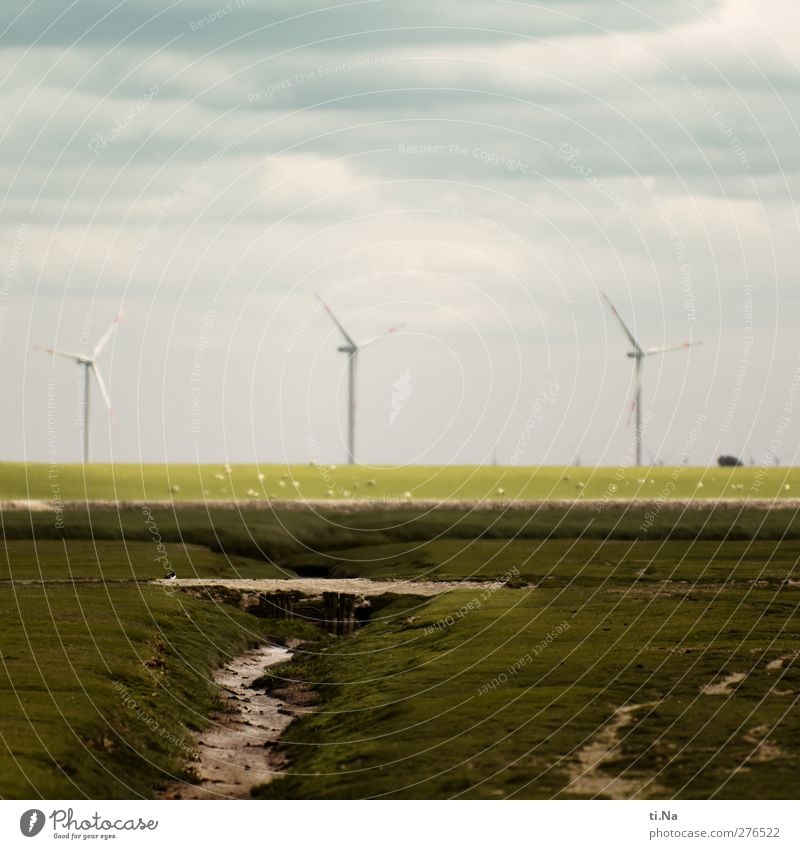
388,332
60,353
626,331
679,347
107,335
104,393
336,321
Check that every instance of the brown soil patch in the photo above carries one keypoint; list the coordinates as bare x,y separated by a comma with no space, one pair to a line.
587,774
723,687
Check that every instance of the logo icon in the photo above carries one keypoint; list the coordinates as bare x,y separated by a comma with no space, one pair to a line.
402,390
31,822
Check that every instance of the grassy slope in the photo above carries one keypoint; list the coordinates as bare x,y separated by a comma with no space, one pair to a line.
68,650
297,538
104,560
65,729
559,562
406,712
158,482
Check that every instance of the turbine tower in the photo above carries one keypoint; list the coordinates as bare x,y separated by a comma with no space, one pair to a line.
638,354
88,361
352,349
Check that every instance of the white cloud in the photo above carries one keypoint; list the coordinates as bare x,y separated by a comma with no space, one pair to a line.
272,160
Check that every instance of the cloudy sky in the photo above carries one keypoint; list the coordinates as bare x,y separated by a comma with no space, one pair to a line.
479,170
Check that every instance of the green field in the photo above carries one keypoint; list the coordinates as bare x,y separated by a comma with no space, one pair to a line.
104,681
429,709
432,698
130,482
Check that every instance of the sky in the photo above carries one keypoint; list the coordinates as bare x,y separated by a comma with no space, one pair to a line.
478,171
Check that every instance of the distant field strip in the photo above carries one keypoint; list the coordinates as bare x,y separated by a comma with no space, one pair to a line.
65,485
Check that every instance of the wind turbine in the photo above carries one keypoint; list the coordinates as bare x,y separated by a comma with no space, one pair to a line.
665,459
88,361
638,354
576,461
657,459
352,349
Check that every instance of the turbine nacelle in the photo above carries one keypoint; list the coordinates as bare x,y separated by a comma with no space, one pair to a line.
638,354
351,348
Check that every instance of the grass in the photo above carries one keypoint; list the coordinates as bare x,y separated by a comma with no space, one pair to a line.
658,607
433,708
158,482
549,562
108,561
289,540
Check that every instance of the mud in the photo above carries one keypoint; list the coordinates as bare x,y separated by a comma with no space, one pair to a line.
723,687
587,774
237,752
349,586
